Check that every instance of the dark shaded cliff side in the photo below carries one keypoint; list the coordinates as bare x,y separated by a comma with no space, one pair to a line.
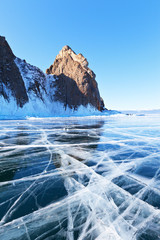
10,77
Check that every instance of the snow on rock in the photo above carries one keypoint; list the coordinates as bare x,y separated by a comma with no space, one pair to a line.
25,90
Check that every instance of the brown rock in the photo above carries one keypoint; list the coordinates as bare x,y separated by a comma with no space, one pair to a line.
10,77
75,82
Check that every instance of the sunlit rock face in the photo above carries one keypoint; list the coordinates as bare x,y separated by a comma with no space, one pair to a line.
76,84
11,82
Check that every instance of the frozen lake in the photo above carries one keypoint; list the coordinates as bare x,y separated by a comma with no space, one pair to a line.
80,178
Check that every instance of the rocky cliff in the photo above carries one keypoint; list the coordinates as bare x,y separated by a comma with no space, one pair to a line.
10,77
75,80
68,83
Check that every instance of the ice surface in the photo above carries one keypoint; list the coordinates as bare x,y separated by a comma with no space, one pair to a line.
80,178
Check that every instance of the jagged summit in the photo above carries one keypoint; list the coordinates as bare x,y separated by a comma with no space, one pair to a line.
67,51
6,48
75,79
66,48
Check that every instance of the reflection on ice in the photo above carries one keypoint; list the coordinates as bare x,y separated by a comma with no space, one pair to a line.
80,179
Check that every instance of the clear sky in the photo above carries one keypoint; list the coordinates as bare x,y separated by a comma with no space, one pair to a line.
120,39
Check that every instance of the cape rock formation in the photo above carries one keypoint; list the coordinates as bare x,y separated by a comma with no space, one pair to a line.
75,80
26,90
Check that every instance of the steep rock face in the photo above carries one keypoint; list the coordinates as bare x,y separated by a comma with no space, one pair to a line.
11,81
75,82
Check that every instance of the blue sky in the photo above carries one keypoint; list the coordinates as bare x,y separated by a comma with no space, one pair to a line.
120,39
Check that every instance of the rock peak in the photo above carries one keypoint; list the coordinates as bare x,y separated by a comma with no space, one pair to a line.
75,79
2,38
66,47
67,52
